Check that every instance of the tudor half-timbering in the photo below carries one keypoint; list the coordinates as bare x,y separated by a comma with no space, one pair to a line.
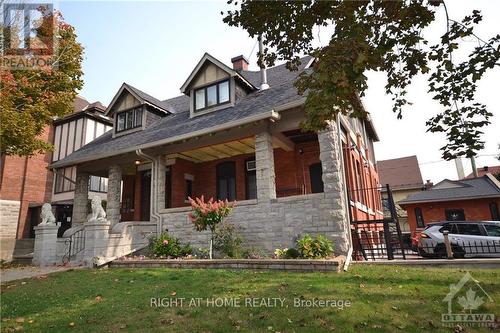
233,134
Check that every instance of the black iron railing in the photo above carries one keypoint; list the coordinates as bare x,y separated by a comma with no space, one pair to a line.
74,245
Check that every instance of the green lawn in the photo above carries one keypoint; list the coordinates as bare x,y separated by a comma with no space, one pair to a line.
384,299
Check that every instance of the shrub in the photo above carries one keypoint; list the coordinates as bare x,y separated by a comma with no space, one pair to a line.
168,246
287,253
315,248
253,253
207,215
227,240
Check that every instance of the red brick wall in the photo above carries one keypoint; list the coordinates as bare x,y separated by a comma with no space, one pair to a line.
291,170
475,210
369,181
27,180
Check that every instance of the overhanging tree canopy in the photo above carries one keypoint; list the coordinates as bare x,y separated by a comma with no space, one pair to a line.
382,36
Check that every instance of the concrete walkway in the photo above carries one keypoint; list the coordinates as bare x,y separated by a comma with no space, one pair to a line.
18,273
451,263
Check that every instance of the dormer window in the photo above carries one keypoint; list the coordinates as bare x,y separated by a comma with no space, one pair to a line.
211,95
129,119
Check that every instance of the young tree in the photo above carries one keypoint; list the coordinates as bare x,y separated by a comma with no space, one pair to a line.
382,36
31,98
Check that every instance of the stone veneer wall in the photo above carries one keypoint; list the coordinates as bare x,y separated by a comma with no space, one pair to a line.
9,215
269,223
266,226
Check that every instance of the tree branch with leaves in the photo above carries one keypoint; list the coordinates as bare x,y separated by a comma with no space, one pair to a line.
31,98
380,36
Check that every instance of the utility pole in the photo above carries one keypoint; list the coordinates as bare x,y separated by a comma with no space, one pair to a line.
474,168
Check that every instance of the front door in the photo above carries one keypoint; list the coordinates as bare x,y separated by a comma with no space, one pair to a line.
145,195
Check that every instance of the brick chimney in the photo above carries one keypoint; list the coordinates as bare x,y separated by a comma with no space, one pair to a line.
240,63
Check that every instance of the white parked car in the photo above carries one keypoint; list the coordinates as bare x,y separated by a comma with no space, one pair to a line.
467,238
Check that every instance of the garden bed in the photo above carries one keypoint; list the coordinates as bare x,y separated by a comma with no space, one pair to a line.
313,265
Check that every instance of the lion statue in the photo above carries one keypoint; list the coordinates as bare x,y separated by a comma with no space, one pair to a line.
97,211
47,215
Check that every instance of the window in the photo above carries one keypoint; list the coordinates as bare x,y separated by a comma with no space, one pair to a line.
168,188
495,216
419,217
492,230
316,177
454,214
62,182
226,181
360,189
251,179
211,95
450,227
129,119
469,229
189,188
98,184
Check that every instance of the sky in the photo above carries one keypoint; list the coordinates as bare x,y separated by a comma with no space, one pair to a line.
154,46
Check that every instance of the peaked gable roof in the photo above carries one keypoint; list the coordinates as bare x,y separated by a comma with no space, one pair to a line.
142,97
450,190
400,173
208,58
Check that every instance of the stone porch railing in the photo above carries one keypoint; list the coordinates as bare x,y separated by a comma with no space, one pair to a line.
103,242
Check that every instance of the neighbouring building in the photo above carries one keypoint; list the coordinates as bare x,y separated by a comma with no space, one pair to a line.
404,179
494,170
474,199
231,135
27,183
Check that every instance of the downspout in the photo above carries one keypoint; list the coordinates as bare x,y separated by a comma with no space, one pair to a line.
346,198
154,189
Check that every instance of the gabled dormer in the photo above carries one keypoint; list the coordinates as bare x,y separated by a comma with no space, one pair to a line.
133,110
213,86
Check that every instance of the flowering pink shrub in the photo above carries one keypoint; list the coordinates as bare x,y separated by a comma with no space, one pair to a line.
207,214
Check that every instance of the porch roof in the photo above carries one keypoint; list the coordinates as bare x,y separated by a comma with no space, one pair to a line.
179,126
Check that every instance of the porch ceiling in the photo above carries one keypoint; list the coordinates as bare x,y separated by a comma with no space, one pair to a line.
217,151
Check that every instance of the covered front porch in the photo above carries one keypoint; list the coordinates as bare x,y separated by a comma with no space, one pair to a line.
286,183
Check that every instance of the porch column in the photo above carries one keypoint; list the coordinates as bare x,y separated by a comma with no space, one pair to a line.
264,160
330,155
114,193
81,198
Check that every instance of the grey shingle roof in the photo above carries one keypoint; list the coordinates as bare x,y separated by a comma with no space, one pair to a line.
164,105
282,91
475,188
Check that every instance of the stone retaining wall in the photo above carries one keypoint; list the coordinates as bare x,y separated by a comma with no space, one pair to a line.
333,265
276,224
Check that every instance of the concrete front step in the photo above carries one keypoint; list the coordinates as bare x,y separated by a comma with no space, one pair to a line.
303,265
25,259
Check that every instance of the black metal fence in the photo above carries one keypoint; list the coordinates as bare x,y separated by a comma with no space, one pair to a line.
459,249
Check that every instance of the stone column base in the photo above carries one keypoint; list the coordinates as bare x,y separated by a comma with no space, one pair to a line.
96,240
45,245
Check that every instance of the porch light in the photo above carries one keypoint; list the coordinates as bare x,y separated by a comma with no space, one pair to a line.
137,162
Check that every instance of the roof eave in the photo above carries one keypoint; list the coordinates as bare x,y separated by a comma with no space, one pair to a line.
261,116
404,202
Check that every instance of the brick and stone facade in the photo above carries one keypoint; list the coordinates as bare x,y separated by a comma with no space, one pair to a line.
268,222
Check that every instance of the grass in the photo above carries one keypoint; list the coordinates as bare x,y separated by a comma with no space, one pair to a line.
384,299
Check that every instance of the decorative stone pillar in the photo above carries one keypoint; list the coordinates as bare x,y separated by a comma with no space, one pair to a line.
264,160
114,194
45,245
81,198
330,155
96,240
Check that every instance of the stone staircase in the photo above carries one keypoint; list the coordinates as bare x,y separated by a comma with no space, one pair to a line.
23,251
